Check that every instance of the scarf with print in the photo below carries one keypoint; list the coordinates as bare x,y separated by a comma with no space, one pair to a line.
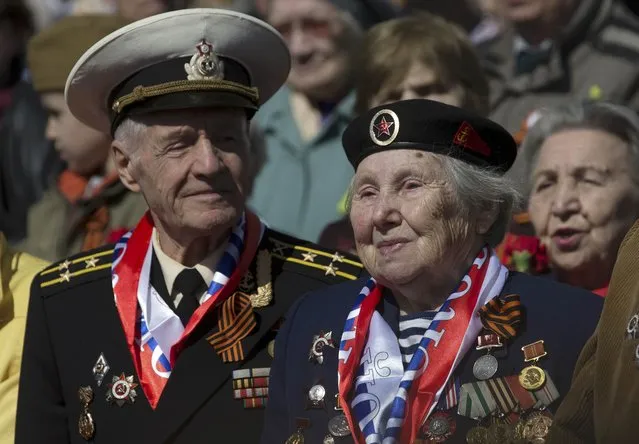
154,333
387,403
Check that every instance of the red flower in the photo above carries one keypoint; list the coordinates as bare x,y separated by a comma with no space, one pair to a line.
524,253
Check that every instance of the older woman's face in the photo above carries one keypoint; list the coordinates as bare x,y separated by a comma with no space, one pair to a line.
583,199
406,219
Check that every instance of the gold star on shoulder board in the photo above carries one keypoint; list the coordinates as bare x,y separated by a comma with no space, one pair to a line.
337,257
309,257
66,276
330,269
91,262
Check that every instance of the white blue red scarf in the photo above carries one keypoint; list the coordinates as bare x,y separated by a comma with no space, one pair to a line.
155,334
387,403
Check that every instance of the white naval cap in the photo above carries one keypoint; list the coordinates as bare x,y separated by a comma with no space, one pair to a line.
191,58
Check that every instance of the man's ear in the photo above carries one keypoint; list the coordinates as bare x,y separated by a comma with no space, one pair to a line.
487,218
122,160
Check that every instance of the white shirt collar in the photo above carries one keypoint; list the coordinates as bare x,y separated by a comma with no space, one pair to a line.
171,268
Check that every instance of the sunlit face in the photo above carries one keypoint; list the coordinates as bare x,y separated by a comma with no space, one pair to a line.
84,149
546,11
407,220
191,168
583,200
320,41
421,83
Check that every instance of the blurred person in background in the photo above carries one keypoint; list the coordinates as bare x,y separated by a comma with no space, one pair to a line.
560,50
583,182
17,270
306,175
88,205
438,63
27,159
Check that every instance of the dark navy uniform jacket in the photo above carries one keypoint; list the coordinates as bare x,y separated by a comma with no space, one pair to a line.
564,317
72,320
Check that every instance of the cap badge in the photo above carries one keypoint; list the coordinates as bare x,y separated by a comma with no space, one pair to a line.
467,137
204,64
384,127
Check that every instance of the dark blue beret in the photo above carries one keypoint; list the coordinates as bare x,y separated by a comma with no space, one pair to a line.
427,125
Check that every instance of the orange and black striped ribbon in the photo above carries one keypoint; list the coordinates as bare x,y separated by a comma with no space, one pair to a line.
502,316
236,322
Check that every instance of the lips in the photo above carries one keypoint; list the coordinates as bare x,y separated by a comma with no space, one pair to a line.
391,245
567,239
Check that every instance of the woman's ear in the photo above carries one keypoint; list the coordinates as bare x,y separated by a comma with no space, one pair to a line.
123,164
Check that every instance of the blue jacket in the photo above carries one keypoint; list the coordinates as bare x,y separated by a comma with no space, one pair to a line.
564,317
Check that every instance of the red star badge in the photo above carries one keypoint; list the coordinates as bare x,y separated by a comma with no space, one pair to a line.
204,48
383,127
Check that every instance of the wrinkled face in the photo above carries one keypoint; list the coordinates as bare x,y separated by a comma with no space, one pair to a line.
421,83
139,9
84,149
547,11
583,200
190,167
319,39
406,219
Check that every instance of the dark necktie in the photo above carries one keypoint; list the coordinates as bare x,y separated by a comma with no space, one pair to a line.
528,59
191,284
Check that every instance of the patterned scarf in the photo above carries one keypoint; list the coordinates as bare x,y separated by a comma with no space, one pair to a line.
388,403
155,335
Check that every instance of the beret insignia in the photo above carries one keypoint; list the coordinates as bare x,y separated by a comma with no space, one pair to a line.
467,137
384,127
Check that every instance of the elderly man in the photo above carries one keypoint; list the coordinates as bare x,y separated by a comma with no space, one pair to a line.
443,343
167,336
306,175
561,50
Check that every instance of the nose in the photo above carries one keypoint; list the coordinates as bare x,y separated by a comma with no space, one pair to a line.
386,214
51,130
566,200
207,161
298,43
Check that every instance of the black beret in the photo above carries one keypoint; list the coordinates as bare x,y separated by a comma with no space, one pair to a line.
427,125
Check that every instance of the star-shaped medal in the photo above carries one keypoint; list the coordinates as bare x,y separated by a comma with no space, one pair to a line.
121,390
320,341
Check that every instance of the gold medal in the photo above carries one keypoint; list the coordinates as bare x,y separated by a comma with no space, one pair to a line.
518,433
296,438
499,433
532,378
536,428
477,435
86,426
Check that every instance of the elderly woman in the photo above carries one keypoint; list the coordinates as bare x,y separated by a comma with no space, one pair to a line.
583,182
443,342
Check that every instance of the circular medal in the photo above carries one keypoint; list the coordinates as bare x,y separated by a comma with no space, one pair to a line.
532,378
295,438
485,367
518,433
477,435
317,393
536,428
328,439
338,426
633,327
439,427
499,433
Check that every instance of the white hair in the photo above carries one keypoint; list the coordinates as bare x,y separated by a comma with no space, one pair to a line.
612,119
477,189
129,132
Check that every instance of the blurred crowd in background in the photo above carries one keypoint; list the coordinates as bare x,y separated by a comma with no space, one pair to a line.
562,75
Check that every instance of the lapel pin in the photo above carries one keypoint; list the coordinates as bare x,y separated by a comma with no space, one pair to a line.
100,369
317,348
122,390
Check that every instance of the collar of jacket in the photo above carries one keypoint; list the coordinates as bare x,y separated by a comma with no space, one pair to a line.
276,115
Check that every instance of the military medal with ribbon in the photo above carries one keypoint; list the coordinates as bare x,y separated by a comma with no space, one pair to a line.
532,377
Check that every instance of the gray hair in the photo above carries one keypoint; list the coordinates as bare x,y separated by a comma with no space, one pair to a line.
612,119
477,189
129,132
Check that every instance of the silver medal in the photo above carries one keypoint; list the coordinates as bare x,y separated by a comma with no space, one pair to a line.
100,369
317,393
338,426
485,367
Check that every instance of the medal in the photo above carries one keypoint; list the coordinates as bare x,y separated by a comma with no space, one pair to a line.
298,436
486,366
532,377
477,435
499,431
317,348
100,369
122,390
518,433
536,428
338,426
632,330
86,426
316,396
637,355
439,427
328,439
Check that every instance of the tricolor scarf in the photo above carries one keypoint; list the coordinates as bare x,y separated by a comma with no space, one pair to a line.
154,333
389,404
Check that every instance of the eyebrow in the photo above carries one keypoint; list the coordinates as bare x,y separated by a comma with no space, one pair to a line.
575,170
